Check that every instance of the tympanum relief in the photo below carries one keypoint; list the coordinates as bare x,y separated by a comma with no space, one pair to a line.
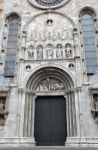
50,84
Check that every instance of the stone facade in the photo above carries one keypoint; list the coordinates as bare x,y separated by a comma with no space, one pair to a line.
50,45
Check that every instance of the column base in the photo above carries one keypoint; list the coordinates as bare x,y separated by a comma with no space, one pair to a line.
18,141
81,142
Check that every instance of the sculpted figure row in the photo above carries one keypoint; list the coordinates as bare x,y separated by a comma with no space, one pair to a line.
50,51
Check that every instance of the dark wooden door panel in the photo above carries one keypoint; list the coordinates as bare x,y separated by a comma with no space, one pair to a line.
50,120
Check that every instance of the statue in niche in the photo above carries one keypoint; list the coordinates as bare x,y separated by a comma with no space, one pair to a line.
96,103
31,52
49,36
59,51
2,112
39,52
2,106
59,36
49,51
68,50
44,36
40,37
54,36
63,35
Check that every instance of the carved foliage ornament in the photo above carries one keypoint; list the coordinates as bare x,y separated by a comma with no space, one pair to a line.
46,4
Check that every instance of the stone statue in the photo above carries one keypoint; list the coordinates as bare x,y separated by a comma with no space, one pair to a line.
2,106
31,52
96,103
40,52
68,51
59,51
49,51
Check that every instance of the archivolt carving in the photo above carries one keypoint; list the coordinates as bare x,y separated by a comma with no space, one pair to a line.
50,78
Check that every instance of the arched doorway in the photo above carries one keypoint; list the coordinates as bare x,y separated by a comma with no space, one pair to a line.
49,90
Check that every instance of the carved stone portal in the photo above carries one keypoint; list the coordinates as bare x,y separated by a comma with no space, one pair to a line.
50,84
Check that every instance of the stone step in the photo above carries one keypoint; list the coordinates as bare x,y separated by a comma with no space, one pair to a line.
46,148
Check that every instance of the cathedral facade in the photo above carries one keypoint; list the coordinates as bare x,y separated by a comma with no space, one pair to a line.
49,72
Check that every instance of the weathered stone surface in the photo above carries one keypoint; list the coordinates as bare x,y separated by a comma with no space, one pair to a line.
49,44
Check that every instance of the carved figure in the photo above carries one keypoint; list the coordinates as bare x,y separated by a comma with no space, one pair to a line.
96,104
2,106
54,36
49,51
49,36
59,51
68,50
40,52
61,86
31,52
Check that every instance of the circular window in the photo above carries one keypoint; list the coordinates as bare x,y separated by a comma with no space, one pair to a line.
46,4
